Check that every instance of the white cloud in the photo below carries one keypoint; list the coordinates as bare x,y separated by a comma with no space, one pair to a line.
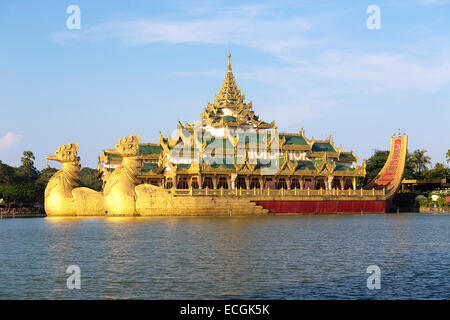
254,26
383,72
318,80
8,140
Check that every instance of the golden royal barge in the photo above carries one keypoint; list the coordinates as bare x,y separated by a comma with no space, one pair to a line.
228,162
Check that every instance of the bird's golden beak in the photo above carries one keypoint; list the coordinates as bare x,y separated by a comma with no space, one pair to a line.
53,157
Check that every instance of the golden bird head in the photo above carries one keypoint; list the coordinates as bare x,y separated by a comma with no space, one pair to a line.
66,153
128,146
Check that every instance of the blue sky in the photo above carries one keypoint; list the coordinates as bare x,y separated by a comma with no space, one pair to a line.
139,66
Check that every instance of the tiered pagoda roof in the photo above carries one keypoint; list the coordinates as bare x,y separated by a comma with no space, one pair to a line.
298,155
229,107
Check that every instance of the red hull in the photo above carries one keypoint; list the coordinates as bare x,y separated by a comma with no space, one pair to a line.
323,207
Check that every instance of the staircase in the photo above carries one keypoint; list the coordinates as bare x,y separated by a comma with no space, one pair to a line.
222,206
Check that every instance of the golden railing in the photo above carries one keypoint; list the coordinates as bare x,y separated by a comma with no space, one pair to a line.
277,192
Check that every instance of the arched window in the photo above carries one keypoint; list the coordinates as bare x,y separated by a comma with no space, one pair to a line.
207,183
269,184
254,184
336,184
295,183
348,184
222,183
182,183
281,184
320,184
309,184
240,183
194,183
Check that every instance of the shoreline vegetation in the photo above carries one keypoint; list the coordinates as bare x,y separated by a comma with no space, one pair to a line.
22,188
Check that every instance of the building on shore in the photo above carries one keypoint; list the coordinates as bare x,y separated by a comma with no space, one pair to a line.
230,147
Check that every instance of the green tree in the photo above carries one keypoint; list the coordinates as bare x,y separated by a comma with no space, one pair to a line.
447,155
409,172
45,176
28,159
6,173
374,165
90,178
421,160
439,171
376,162
27,171
19,193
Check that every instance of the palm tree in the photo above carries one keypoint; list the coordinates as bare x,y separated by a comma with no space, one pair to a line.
421,160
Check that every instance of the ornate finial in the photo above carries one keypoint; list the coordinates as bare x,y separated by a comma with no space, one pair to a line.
229,61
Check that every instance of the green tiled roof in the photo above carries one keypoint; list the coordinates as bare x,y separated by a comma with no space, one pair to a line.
229,118
341,167
223,165
347,156
149,149
322,147
266,163
306,164
251,138
294,140
219,143
111,155
183,165
149,167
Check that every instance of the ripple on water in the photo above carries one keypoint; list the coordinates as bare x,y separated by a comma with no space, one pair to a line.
307,257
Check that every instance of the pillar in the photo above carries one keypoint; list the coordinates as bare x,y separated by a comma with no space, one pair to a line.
354,183
330,182
174,181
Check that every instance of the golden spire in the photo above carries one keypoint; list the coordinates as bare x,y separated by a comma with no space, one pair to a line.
229,94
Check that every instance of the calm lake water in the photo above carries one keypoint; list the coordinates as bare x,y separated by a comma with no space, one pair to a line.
291,257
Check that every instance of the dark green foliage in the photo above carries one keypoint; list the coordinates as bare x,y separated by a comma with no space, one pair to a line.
439,171
89,178
420,160
374,165
415,167
6,173
25,185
